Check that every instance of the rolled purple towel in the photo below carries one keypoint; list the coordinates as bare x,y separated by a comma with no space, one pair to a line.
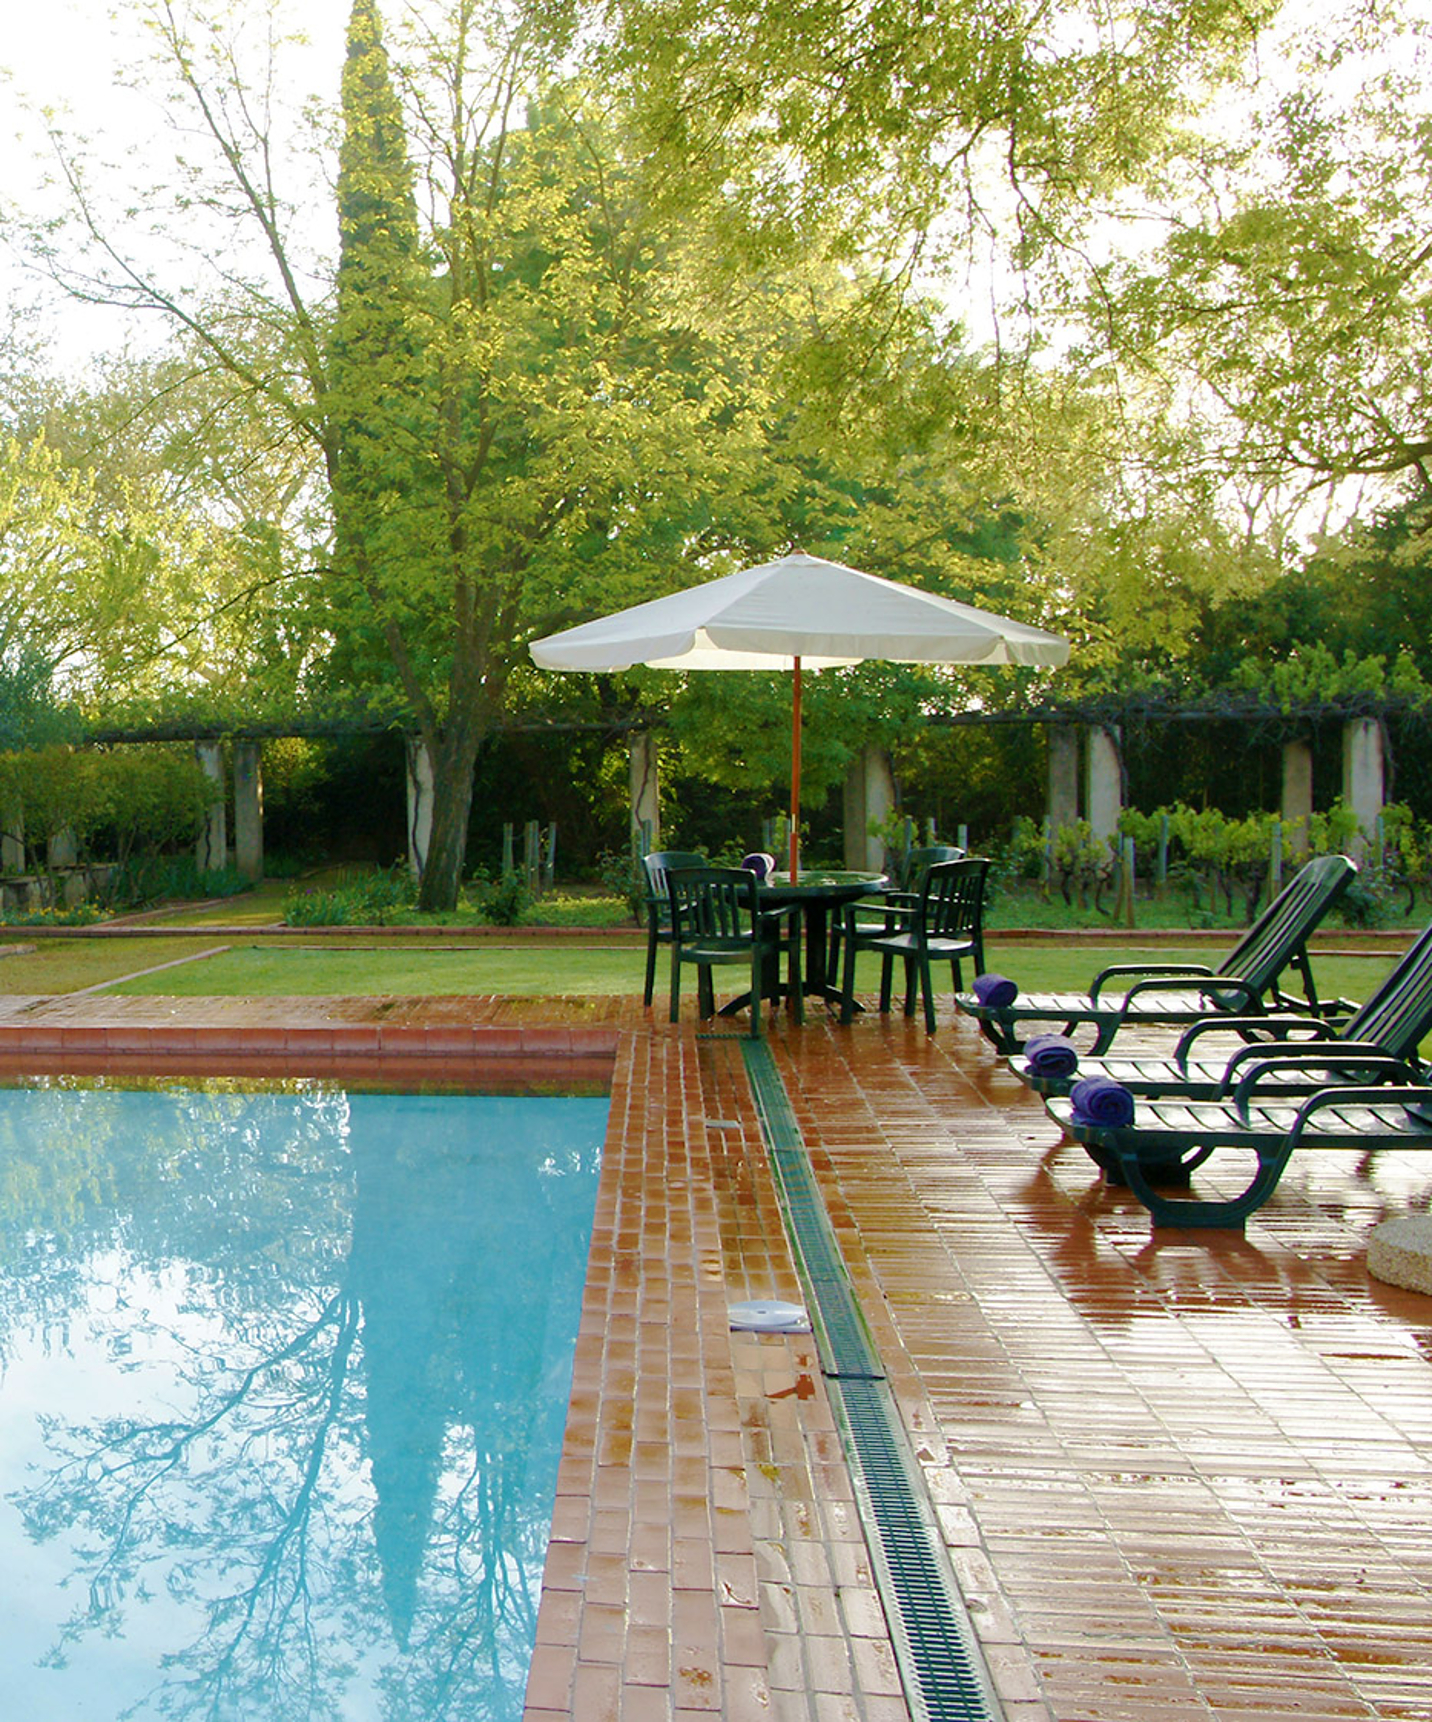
1102,1101
759,863
996,991
1051,1055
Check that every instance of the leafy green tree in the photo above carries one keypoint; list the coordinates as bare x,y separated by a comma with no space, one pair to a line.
1281,321
889,117
80,583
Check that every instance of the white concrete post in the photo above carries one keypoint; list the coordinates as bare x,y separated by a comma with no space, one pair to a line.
248,810
1103,790
211,852
1297,807
645,788
12,840
869,799
1362,784
420,803
1063,741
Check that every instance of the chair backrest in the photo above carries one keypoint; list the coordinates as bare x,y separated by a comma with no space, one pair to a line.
658,864
952,899
1399,1013
711,903
1277,937
918,862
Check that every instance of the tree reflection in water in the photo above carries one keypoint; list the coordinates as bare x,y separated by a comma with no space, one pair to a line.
350,1320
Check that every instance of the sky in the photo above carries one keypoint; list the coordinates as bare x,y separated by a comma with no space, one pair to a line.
70,56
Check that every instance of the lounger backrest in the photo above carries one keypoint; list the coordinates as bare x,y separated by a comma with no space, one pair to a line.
1399,1013
1277,937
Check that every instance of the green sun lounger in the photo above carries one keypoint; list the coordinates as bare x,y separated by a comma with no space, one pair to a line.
1246,982
1394,1021
1168,1139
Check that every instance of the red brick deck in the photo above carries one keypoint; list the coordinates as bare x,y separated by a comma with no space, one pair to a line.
1180,1476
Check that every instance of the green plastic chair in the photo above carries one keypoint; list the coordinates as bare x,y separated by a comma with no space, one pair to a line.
658,904
943,923
905,881
717,918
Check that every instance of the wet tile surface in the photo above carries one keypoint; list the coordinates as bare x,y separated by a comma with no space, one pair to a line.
1180,1475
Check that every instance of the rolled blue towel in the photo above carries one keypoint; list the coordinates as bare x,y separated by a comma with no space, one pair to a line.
1051,1055
996,991
1102,1101
759,863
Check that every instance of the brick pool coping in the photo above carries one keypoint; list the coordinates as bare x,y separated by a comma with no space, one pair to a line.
521,1059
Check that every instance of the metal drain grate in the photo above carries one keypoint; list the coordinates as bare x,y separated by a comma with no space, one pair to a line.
946,1679
944,1675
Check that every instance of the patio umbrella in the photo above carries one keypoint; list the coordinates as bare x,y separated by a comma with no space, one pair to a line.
797,612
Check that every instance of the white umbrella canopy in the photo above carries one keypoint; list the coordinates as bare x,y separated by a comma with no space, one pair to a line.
799,611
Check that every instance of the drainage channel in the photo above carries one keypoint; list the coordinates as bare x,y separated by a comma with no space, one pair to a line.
943,1672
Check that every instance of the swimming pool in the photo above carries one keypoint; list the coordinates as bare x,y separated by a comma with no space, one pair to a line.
283,1379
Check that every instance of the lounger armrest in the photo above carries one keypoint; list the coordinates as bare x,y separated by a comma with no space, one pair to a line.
1289,1054
1150,969
1317,1058
1204,983
1276,1028
1325,1097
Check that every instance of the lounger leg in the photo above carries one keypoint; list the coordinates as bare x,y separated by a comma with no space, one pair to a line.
1230,1213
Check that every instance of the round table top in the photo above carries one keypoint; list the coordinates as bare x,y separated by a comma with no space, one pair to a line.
822,882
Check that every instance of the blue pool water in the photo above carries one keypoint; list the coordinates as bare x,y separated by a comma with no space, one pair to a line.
283,1378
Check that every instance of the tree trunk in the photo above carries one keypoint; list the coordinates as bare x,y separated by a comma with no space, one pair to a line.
454,757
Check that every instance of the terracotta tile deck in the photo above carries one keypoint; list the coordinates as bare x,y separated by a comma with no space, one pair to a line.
1180,1476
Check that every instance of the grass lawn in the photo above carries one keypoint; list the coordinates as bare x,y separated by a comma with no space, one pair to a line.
196,967
287,969
578,906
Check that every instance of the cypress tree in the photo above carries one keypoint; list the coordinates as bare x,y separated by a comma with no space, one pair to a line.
382,423
376,389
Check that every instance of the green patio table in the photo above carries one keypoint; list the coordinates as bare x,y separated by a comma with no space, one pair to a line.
816,891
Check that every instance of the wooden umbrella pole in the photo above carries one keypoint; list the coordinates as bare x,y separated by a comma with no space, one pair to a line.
796,770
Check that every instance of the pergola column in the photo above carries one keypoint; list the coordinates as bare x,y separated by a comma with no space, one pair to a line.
12,839
1063,742
1103,781
248,810
1297,802
62,850
645,790
420,803
1362,776
869,800
211,852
